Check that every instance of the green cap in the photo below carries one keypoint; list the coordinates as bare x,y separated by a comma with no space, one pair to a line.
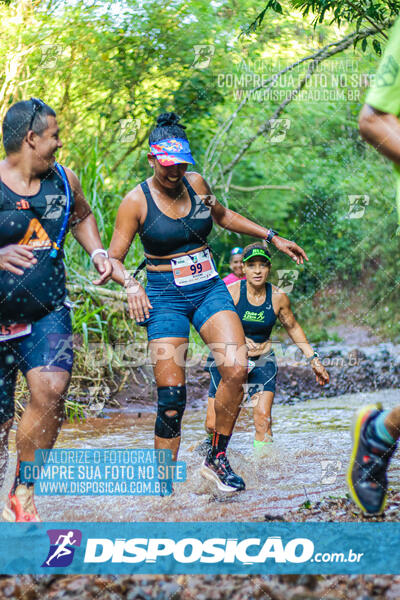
256,252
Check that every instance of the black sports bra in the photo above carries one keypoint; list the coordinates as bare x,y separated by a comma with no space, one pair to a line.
162,235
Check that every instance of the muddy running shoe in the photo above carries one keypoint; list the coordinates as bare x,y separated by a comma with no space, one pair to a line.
366,476
20,506
217,469
204,446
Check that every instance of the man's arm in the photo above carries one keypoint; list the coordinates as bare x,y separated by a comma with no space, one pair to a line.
84,229
378,121
382,131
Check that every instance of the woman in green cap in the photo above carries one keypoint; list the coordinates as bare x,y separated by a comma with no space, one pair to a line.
259,304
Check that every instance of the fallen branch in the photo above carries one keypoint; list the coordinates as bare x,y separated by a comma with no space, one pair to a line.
257,187
92,289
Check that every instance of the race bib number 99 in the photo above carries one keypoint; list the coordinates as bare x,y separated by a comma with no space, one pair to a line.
193,268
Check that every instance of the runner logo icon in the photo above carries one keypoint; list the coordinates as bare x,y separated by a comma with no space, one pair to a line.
287,279
203,202
54,206
60,352
357,206
62,547
203,56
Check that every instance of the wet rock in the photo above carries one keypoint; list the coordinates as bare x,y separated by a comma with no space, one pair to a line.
138,593
268,592
381,583
190,587
30,594
9,590
355,356
268,517
171,590
289,578
393,593
308,581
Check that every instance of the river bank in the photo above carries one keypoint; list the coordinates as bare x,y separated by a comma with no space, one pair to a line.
351,369
341,509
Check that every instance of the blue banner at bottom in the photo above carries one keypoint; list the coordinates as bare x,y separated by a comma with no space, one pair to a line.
196,548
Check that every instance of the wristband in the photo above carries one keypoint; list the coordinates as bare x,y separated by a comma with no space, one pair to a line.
311,358
98,251
270,236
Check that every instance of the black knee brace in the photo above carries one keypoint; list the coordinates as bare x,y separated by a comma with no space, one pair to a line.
170,398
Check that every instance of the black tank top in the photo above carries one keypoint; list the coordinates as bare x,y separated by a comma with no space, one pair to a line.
257,321
35,221
161,235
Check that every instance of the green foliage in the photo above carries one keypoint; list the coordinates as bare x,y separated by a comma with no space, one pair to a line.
74,411
345,11
341,12
87,320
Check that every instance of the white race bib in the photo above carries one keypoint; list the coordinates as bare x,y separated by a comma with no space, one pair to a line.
193,268
15,330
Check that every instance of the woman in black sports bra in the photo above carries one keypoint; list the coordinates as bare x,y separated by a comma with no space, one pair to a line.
173,212
259,304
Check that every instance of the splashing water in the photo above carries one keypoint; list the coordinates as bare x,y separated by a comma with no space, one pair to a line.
306,461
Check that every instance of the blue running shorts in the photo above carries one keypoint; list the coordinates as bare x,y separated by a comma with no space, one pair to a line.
262,378
175,307
49,345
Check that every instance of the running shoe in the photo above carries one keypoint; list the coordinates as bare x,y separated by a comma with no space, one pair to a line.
366,476
204,446
20,507
260,445
217,469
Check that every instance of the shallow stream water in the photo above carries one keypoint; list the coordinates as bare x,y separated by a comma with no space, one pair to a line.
306,461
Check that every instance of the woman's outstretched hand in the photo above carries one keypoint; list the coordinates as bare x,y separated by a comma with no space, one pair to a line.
321,374
290,248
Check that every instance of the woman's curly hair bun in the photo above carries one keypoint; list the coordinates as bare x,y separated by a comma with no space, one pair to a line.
169,119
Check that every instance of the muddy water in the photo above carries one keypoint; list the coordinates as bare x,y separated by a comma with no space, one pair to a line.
307,460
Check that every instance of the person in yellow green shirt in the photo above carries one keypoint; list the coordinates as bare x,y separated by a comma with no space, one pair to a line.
379,118
376,431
